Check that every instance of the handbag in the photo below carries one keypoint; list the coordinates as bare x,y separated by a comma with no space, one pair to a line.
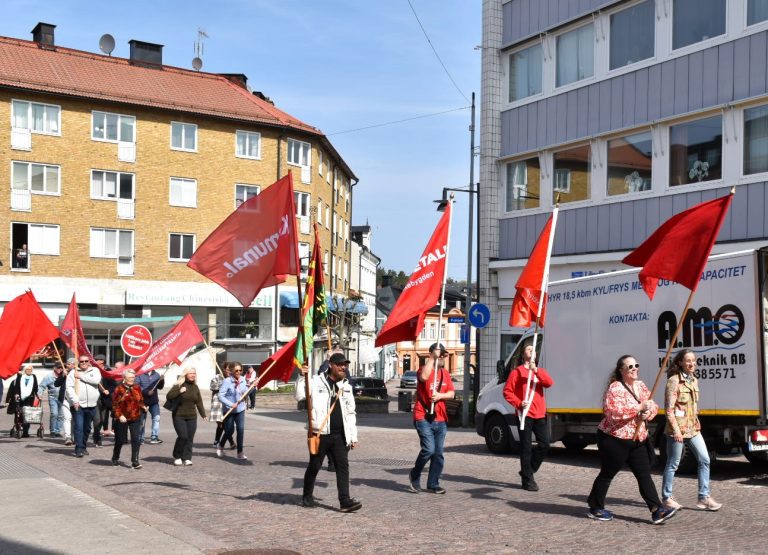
313,439
648,443
172,404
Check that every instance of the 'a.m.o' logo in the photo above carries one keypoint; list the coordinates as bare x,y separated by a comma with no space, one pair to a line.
701,328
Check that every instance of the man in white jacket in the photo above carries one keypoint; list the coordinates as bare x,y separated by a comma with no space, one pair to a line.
83,394
331,391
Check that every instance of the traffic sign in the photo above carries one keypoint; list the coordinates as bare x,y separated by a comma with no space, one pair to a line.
455,319
136,341
479,315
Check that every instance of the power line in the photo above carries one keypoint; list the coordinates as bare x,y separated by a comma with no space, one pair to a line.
397,121
435,51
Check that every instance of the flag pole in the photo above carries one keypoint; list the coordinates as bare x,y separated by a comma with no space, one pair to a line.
213,358
307,389
247,391
442,304
58,355
529,393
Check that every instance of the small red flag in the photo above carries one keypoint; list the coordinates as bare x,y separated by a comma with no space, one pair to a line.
525,307
679,249
283,366
71,332
24,328
422,291
255,247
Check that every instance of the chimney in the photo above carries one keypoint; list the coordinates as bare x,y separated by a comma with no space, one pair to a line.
42,34
239,79
146,53
262,96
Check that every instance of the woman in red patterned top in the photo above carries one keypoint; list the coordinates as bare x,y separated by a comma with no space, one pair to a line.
128,405
626,408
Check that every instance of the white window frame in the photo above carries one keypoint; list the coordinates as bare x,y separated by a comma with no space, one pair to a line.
117,185
45,106
325,262
45,177
304,254
181,236
184,126
567,188
579,81
327,216
319,212
250,186
49,245
320,163
507,70
698,45
609,40
181,181
249,137
305,150
95,241
120,118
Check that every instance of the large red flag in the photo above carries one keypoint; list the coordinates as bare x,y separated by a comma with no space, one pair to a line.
422,291
679,249
283,366
24,328
255,247
71,332
169,348
525,307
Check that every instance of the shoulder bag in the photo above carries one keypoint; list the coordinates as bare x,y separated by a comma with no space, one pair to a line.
313,440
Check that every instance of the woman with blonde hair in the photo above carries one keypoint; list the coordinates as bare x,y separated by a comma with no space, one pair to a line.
189,402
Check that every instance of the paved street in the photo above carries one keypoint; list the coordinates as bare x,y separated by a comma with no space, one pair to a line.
217,506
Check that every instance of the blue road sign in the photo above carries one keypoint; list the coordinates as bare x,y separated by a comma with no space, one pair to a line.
464,334
479,315
455,319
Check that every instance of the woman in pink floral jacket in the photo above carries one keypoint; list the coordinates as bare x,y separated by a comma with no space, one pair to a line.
621,440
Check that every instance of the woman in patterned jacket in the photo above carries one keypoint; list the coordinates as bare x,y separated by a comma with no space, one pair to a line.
128,405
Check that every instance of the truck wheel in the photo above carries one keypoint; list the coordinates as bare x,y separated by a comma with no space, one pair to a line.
758,458
575,442
497,435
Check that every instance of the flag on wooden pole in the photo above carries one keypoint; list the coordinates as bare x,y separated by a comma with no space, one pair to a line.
24,328
315,308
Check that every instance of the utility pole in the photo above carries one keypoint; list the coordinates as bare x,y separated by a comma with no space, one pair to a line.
468,299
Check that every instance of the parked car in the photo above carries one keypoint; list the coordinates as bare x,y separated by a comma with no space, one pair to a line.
369,387
408,379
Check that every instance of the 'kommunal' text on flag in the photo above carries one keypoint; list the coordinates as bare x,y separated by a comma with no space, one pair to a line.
422,291
24,328
255,247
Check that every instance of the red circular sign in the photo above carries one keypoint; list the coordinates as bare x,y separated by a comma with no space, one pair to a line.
136,341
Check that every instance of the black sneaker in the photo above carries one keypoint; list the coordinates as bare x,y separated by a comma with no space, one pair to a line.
413,484
137,465
115,462
530,485
351,505
79,454
661,515
308,501
155,441
85,452
600,514
437,490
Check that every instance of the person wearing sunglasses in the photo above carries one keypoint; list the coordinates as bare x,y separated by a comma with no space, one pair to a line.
83,394
681,404
621,439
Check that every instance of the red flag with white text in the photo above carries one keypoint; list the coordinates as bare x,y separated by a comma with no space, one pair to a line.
71,332
422,292
24,328
255,247
525,307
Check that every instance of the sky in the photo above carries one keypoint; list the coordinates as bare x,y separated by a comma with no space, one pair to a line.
339,65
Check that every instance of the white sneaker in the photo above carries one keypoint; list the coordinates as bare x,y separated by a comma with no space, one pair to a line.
187,463
219,452
177,462
242,457
670,503
708,504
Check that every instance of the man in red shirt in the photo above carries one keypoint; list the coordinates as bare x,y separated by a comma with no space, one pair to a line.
431,419
535,420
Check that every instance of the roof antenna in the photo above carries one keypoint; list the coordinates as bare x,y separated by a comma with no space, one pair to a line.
197,61
107,44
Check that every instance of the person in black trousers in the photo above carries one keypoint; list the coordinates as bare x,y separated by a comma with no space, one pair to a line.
188,402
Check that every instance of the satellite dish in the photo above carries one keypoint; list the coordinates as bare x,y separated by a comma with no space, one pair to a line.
107,44
197,63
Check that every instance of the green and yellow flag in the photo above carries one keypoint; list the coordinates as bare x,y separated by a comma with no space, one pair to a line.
315,308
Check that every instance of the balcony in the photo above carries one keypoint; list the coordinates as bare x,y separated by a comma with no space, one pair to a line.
21,200
126,208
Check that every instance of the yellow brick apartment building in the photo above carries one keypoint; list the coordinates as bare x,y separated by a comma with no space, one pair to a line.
113,170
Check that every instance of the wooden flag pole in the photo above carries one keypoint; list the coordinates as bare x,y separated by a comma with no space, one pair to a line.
213,357
247,391
58,355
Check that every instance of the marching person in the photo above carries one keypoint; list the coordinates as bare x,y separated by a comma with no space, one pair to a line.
626,407
128,406
335,420
250,378
434,387
23,392
681,404
185,415
83,394
232,389
535,420
61,383
48,384
216,414
150,383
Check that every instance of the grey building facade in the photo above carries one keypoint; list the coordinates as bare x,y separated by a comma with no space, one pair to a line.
628,112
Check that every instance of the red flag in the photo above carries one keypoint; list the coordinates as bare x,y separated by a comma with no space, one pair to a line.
422,291
24,328
169,348
71,332
525,307
679,249
283,366
255,247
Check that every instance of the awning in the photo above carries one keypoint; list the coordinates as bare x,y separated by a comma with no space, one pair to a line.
289,299
92,323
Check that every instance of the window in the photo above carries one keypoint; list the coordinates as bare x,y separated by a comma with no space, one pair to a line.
696,20
632,35
523,185
112,243
757,11
299,153
183,136
248,144
575,55
756,140
38,118
41,179
525,72
570,175
111,185
319,212
325,262
43,239
320,163
629,164
302,204
327,217
113,127
304,259
245,192
183,192
180,247
695,150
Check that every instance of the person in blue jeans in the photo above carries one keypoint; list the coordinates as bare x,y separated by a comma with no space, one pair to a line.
232,389
48,384
150,383
430,418
83,394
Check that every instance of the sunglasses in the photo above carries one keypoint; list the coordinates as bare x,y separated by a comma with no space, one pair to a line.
82,361
633,366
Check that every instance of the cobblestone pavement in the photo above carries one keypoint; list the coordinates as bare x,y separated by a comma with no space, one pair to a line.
222,505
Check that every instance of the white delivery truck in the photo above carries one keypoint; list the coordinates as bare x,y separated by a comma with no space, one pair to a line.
594,320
